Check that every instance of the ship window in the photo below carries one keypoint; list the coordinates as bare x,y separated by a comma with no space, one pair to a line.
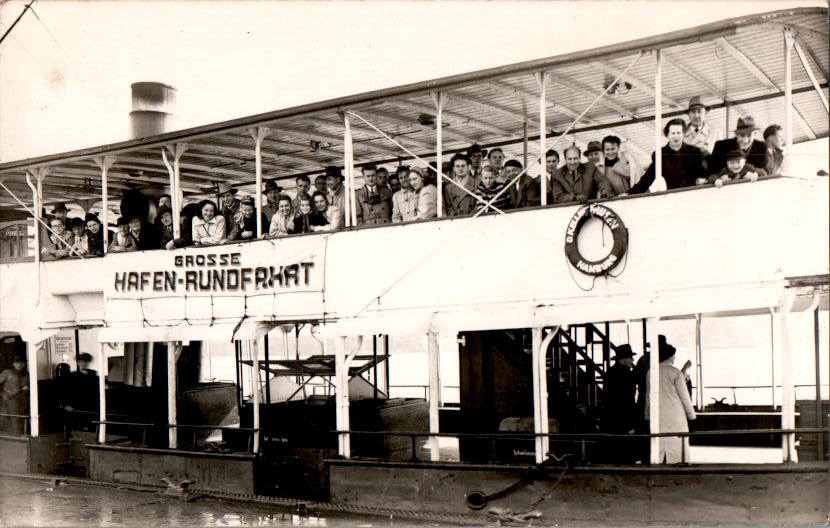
17,240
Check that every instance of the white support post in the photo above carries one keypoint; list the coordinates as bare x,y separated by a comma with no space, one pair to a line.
654,387
175,183
104,163
34,406
172,431
540,392
258,134
541,79
781,318
341,397
438,99
102,393
659,182
348,164
255,344
434,366
699,400
788,99
37,210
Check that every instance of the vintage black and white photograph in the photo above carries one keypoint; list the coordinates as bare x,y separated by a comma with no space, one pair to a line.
414,263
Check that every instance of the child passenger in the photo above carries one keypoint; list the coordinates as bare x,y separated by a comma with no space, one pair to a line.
488,188
736,169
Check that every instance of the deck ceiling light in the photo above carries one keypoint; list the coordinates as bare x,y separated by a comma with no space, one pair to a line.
619,88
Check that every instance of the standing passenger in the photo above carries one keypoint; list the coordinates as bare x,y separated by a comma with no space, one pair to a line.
60,240
272,195
15,396
373,200
476,156
577,181
229,204
698,133
675,407
81,244
95,235
620,170
280,222
457,202
321,184
753,149
774,155
122,241
495,158
210,227
59,211
246,228
487,190
303,184
308,220
383,178
405,201
682,163
423,187
165,224
145,234
594,154
525,191
336,197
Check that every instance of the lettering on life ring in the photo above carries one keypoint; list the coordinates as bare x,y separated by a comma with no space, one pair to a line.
618,232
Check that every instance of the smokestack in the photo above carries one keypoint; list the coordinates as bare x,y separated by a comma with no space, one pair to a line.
153,106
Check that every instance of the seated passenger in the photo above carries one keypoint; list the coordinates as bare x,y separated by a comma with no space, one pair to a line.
145,234
457,201
577,181
245,229
743,140
209,228
60,240
525,192
495,158
373,200
404,202
95,235
122,241
81,243
736,169
682,163
308,220
423,187
164,216
619,169
336,195
272,195
280,221
774,155
303,184
488,188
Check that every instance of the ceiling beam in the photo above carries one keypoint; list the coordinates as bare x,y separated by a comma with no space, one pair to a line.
337,140
491,108
533,100
157,163
193,153
584,89
266,153
380,116
816,62
698,78
748,65
642,85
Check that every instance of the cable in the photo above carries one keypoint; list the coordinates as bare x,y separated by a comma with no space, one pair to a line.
28,6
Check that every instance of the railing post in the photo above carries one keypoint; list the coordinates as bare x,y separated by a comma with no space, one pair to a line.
654,391
658,123
258,134
172,431
699,358
434,394
34,407
341,398
787,389
102,393
348,162
819,414
255,392
104,163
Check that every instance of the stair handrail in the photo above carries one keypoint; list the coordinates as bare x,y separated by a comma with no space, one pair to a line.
581,351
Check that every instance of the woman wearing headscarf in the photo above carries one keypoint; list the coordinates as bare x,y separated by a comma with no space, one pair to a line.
675,406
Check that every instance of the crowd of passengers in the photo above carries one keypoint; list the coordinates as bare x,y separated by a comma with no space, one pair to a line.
692,156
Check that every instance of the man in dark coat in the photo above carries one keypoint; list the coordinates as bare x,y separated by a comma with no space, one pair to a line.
145,234
525,191
682,164
753,149
619,412
577,181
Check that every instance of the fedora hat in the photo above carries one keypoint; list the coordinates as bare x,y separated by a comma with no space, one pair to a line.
696,102
271,185
746,123
735,153
593,146
623,351
226,187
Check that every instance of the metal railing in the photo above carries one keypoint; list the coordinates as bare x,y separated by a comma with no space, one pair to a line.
7,420
194,428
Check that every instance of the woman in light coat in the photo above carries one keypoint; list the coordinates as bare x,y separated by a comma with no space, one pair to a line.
424,187
675,407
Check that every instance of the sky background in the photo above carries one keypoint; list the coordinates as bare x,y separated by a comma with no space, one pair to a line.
65,75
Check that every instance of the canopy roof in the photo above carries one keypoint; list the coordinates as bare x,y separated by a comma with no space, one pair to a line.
736,65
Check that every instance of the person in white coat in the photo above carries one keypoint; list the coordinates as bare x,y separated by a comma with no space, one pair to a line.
675,406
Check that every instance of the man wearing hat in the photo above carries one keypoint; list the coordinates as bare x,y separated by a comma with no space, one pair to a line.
229,204
123,240
619,392
675,405
753,149
698,132
81,396
272,195
594,154
59,211
336,214
14,395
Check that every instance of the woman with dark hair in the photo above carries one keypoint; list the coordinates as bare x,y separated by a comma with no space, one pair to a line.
423,185
682,163
208,228
308,219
